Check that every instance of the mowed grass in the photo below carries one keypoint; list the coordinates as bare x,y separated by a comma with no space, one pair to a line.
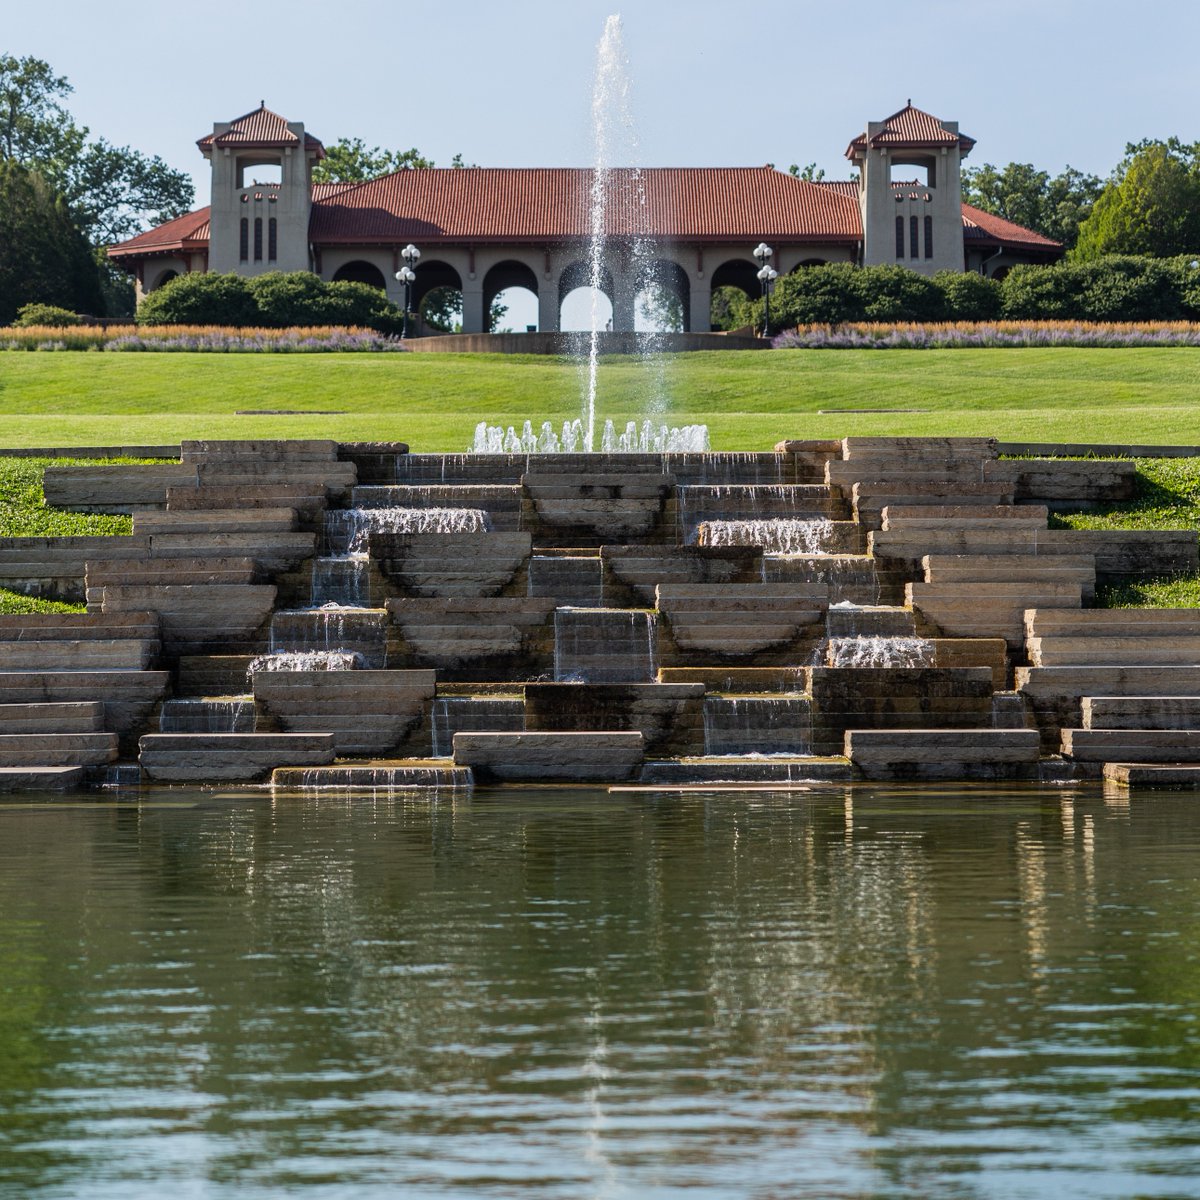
749,400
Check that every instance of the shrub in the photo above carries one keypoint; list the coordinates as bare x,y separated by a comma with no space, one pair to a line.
1114,288
45,314
827,295
894,293
294,298
350,303
201,299
969,297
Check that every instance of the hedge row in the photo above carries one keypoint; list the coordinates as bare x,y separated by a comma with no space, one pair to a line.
275,300
1117,288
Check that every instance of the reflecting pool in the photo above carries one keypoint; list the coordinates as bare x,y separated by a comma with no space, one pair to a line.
842,992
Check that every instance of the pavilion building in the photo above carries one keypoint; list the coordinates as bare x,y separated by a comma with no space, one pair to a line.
482,230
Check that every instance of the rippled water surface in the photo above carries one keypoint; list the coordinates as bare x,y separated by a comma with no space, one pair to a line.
567,994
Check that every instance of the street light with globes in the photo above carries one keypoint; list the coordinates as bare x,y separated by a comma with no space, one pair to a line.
766,276
407,276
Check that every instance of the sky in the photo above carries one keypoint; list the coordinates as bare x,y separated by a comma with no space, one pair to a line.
507,84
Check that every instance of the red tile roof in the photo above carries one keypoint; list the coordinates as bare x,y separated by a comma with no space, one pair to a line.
552,204
910,127
259,127
182,235
985,227
546,205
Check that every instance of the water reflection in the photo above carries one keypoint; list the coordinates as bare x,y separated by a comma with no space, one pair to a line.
987,993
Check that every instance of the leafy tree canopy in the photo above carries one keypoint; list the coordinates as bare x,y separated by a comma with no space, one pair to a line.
112,191
351,160
1052,206
1150,206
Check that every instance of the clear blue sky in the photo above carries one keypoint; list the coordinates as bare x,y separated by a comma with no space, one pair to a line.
507,82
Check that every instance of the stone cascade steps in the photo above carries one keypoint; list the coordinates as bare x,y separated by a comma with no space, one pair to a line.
598,755
781,769
1113,637
401,775
896,698
605,645
362,632
1141,712
367,712
739,620
597,506
785,535
734,467
86,716
477,638
57,749
54,568
1175,776
115,488
848,578
1003,568
1131,745
987,610
229,757
199,617
502,503
254,520
669,716
770,723
640,570
307,500
451,565
1056,694
158,571
943,753
964,516
870,498
699,503
42,779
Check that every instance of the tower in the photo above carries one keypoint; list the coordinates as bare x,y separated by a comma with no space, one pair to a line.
257,227
908,220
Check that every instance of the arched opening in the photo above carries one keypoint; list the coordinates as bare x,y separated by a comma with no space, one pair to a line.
1000,272
663,300
579,303
735,284
261,167
808,262
165,277
510,296
360,271
437,296
918,169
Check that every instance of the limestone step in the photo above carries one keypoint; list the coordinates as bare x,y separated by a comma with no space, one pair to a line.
963,516
1055,693
1107,623
918,449
195,757
77,627
255,450
875,620
80,717
273,551
307,499
1153,775
643,568
57,749
718,467
114,488
501,503
783,535
598,756
383,776
1149,651
987,609
129,697
780,769
436,564
89,654
368,712
942,753
870,498
219,614
791,679
213,569
216,520
848,578
1131,745
1066,484
1141,712
41,779
1001,568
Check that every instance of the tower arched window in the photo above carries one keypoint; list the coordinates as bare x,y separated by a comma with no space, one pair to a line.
913,249
244,240
258,239
928,237
273,239
899,237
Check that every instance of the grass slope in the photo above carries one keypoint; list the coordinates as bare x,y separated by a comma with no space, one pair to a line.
750,400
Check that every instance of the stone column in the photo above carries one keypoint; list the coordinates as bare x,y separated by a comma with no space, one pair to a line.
473,318
547,305
700,307
623,298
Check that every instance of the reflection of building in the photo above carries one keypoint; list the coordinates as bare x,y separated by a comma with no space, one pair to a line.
482,230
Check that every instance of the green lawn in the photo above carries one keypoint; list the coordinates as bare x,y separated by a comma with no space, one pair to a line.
750,400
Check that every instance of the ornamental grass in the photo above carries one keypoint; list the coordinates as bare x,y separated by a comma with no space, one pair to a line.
212,339
977,335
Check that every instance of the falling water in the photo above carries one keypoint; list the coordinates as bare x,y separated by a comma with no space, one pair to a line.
605,645
347,530
880,652
779,536
208,714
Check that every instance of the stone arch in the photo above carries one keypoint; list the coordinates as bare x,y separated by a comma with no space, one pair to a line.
741,273
507,274
164,277
1000,272
809,262
432,276
361,271
669,275
579,275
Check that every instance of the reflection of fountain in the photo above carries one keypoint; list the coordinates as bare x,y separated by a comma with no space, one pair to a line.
616,209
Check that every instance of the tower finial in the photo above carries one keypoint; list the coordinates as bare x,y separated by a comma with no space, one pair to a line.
263,103
909,105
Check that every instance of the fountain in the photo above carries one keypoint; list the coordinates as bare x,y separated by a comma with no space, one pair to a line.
604,645
776,535
616,199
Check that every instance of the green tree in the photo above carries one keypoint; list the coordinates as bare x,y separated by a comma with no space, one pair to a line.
1019,192
812,172
441,309
43,257
351,160
1150,206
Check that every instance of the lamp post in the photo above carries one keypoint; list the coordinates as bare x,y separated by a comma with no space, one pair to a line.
406,275
766,276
